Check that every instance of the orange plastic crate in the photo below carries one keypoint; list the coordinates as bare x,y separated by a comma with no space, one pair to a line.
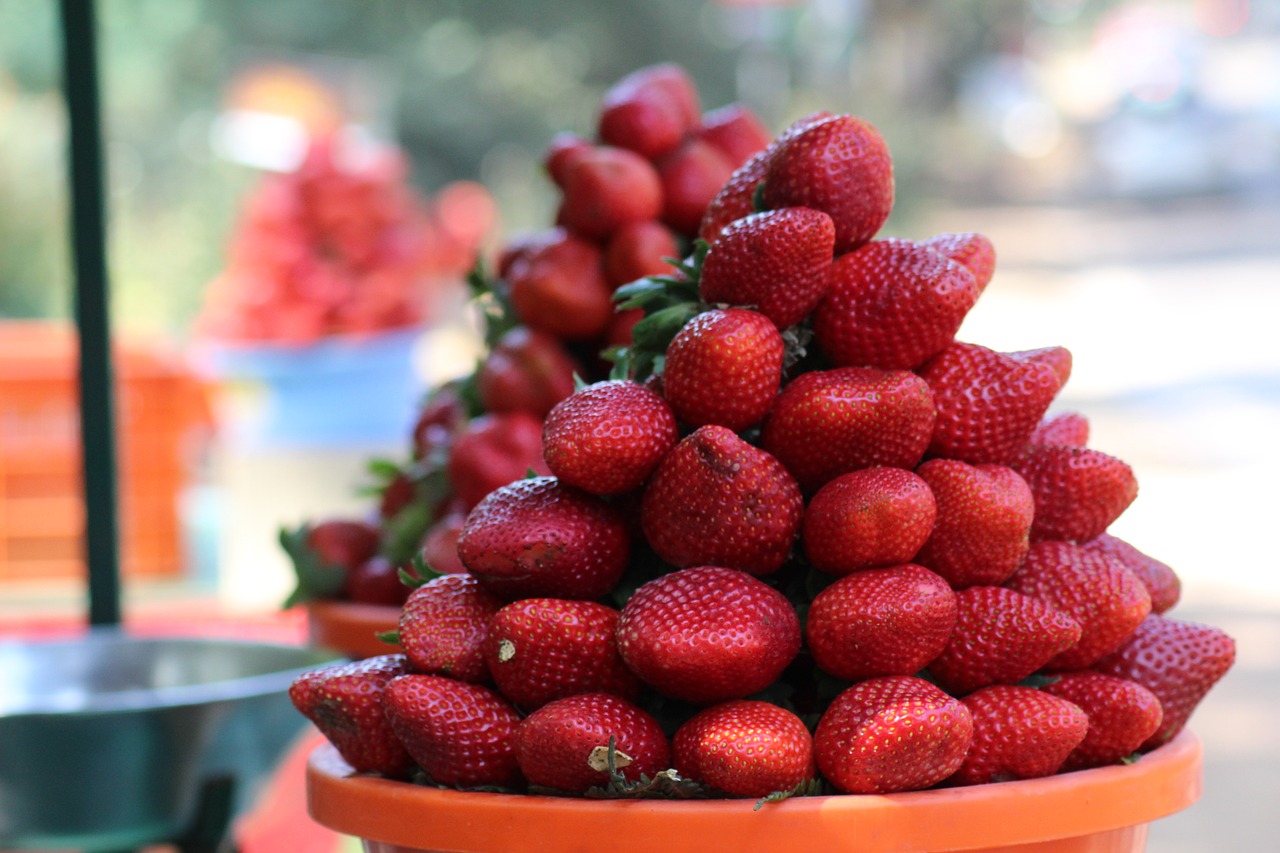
162,418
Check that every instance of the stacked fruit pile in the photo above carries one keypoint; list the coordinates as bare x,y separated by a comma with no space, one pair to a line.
809,538
630,200
342,245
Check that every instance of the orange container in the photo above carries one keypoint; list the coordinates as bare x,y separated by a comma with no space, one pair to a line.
350,628
161,416
1092,811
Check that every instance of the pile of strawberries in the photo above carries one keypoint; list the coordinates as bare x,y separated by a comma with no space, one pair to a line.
803,540
630,199
341,246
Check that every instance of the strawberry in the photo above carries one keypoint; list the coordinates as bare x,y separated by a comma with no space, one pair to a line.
708,634
343,543
1001,637
896,733
560,289
877,622
1096,590
396,495
724,367
1122,715
1019,733
839,165
744,748
778,262
637,250
375,581
1059,358
563,148
606,188
540,649
608,437
1078,491
525,370
493,450
564,745
441,416
650,111
988,402
440,543
972,251
691,175
443,624
459,734
1160,580
983,525
736,130
892,304
717,500
736,198
540,537
345,702
1070,429
829,422
1178,661
867,518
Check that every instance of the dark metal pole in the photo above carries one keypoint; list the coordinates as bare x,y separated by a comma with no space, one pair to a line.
89,255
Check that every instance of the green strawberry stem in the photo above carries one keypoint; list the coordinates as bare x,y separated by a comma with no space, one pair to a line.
315,579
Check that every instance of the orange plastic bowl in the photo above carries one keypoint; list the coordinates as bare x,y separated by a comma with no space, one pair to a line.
352,629
1093,811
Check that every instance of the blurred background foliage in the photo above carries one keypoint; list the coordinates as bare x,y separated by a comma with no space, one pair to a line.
982,102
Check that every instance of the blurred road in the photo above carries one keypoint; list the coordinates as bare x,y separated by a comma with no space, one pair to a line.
1170,311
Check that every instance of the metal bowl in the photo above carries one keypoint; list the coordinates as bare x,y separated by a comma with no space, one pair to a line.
110,741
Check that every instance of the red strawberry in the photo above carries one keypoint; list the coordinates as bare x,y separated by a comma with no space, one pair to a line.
608,437
1059,358
892,304
877,622
745,748
1066,428
493,450
1122,715
396,495
440,544
724,367
650,111
988,403
637,250
606,188
717,500
443,625
841,166
972,251
708,634
343,543
897,733
1078,491
375,581
778,262
564,744
1159,579
827,423
1096,590
691,175
1178,661
1019,733
1001,637
867,518
560,289
736,198
540,649
526,370
560,153
736,130
344,701
539,537
459,734
983,525
440,417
